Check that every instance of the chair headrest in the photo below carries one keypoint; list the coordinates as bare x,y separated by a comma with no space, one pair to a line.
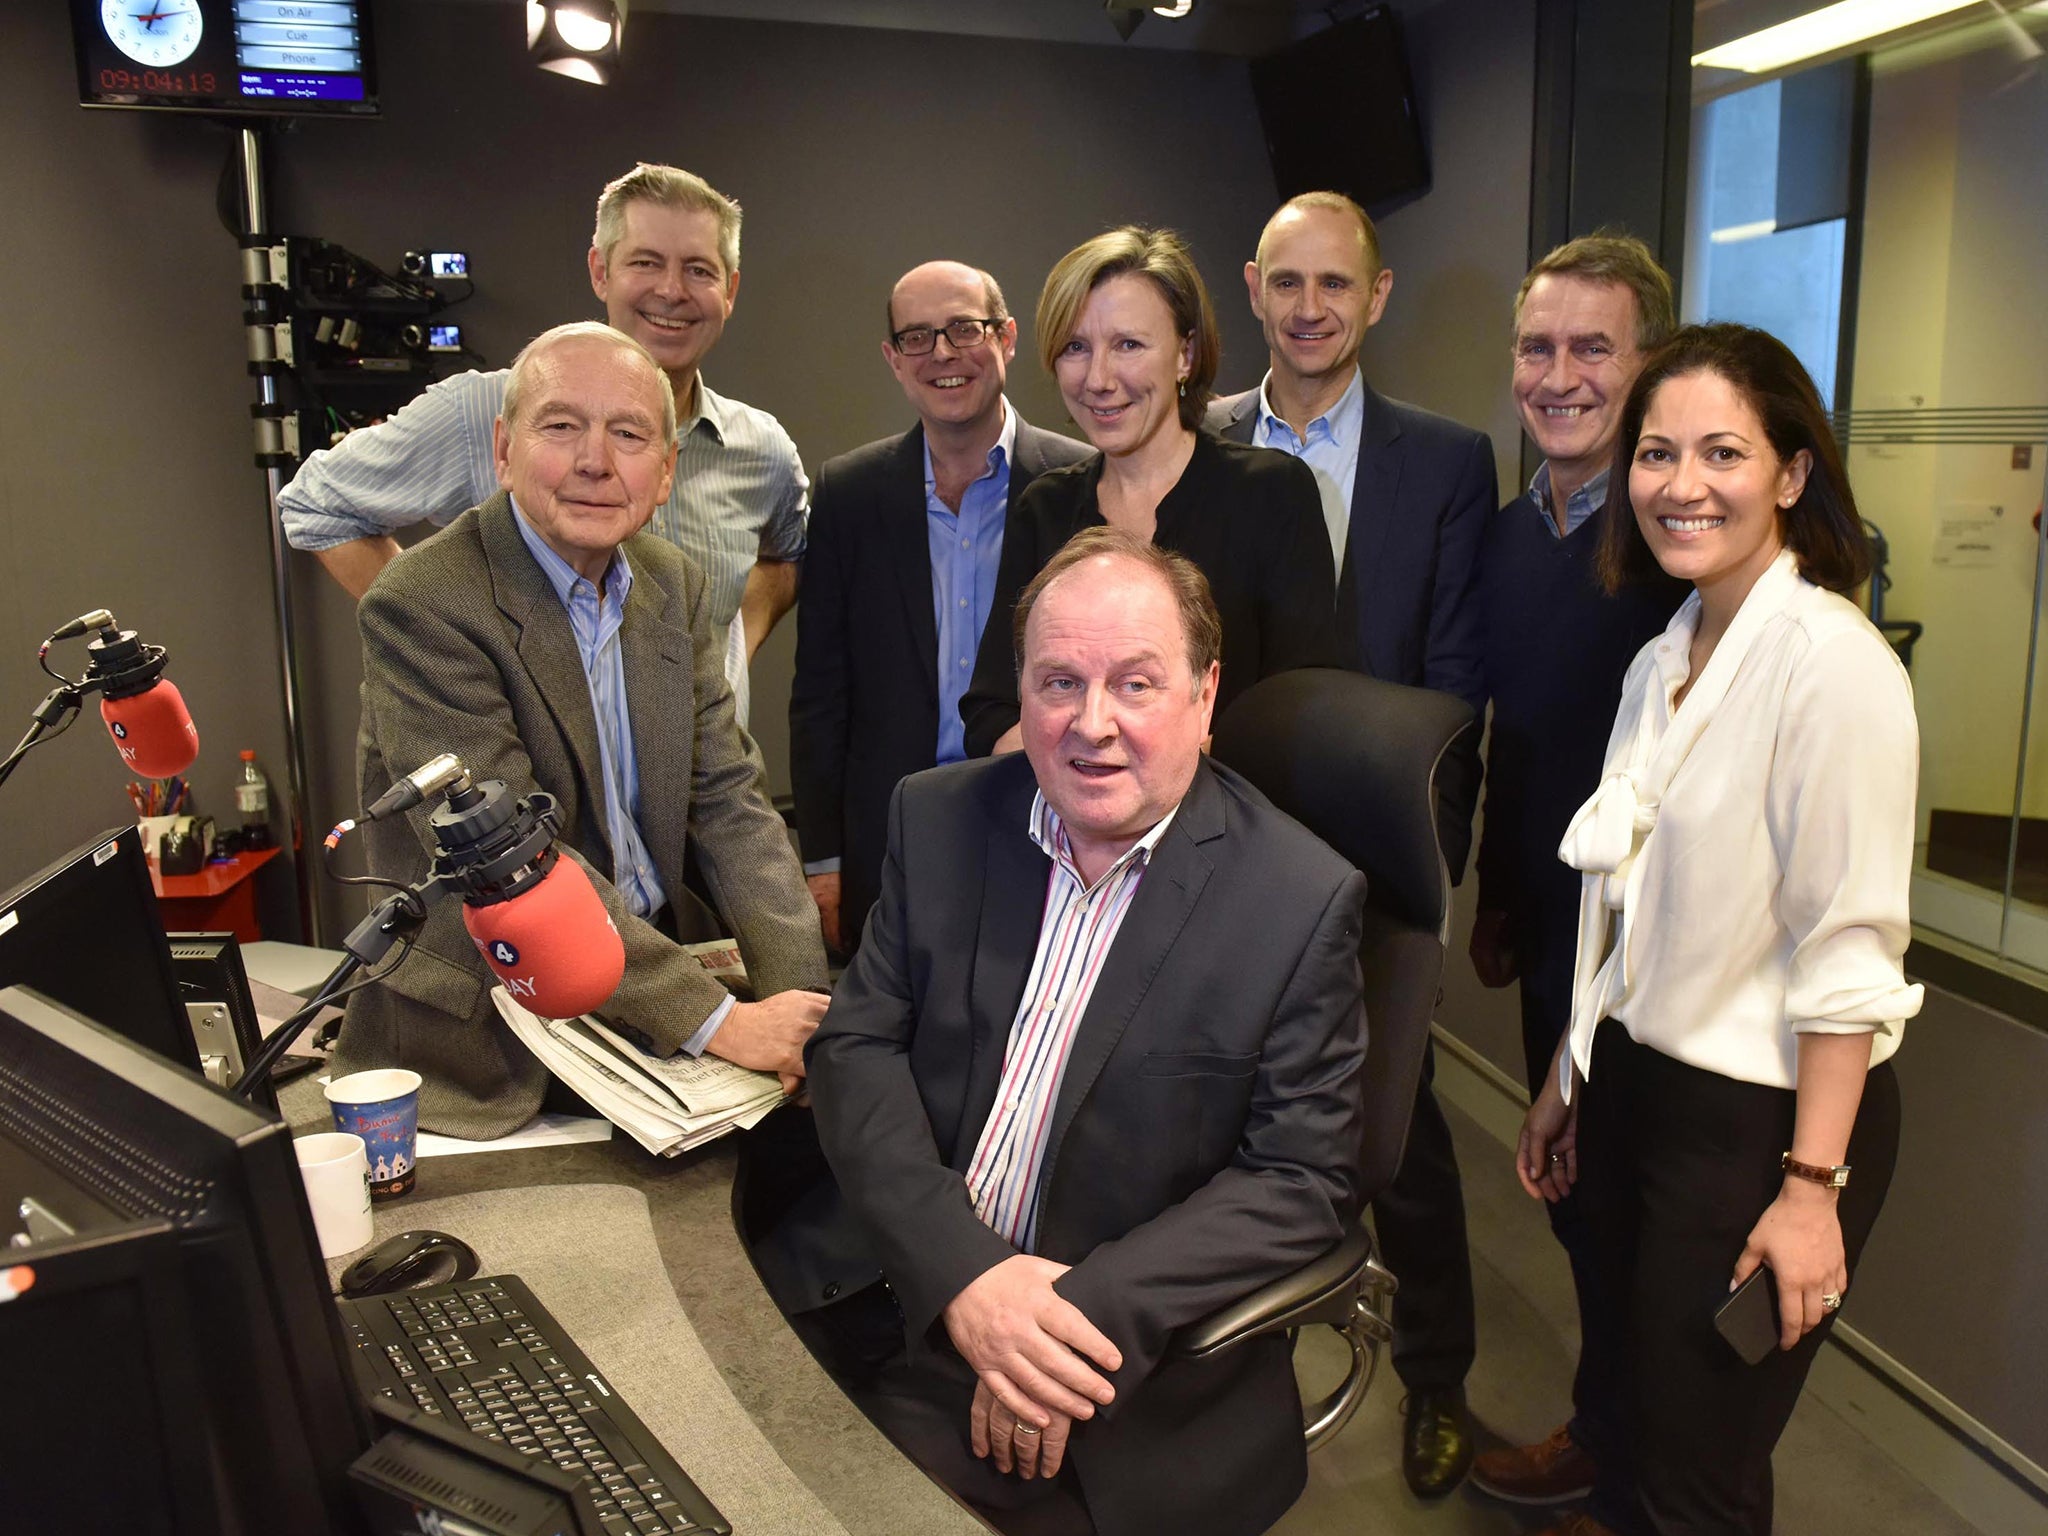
1354,760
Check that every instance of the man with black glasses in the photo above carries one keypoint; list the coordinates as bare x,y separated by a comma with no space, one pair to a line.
905,538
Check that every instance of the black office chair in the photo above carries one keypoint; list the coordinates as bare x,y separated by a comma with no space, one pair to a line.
1355,760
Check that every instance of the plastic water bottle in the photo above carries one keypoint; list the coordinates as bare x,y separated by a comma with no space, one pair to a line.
252,802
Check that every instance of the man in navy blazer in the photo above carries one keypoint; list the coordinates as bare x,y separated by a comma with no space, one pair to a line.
905,537
1406,496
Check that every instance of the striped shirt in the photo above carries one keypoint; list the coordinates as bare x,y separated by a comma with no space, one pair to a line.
739,496
1074,939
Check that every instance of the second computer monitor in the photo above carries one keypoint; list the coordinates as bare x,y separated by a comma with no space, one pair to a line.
86,931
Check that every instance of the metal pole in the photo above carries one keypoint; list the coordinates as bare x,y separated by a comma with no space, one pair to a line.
254,221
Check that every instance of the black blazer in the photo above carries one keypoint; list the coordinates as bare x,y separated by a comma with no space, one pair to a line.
1204,1136
1251,518
864,707
1408,596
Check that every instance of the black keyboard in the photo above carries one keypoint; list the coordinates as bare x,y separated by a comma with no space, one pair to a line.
485,1354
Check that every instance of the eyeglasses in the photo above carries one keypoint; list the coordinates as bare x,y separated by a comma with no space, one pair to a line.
916,340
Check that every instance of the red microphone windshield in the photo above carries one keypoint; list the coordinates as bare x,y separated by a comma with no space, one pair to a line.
152,730
553,945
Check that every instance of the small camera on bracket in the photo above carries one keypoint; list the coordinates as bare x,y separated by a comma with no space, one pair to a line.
436,264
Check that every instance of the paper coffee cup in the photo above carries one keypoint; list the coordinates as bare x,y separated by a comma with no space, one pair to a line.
382,1107
337,1177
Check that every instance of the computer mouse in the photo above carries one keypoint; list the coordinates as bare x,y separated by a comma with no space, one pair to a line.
408,1261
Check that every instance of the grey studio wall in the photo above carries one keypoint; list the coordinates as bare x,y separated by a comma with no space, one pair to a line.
124,470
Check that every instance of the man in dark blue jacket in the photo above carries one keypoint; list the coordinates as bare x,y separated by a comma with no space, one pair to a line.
1555,649
905,538
1406,496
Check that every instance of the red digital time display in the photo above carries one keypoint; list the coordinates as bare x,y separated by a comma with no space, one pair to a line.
159,82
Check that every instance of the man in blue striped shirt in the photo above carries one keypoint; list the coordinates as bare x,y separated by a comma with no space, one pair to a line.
665,262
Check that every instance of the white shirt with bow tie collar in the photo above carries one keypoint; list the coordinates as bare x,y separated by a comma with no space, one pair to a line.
1748,854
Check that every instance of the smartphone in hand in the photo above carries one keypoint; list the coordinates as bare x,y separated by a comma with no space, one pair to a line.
1748,1319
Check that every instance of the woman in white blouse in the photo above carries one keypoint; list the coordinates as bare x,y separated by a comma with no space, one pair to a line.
1738,991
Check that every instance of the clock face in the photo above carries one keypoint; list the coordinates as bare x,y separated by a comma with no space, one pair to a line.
153,32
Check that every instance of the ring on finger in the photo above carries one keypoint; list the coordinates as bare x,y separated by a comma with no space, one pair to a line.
1830,1301
1027,1431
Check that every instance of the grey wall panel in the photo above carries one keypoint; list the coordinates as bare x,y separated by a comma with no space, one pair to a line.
125,474
1458,254
1951,1280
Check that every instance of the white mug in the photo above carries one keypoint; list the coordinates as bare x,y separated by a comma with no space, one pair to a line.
337,1174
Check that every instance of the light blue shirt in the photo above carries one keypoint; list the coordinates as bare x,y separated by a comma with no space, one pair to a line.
966,548
1329,447
596,624
1578,506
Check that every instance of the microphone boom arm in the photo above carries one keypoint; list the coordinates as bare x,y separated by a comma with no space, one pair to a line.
395,920
52,717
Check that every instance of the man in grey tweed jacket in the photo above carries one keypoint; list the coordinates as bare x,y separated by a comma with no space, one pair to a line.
469,647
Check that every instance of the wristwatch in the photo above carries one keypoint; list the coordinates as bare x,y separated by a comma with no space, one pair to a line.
1834,1177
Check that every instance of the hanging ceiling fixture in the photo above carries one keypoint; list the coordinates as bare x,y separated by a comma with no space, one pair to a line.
1125,15
577,38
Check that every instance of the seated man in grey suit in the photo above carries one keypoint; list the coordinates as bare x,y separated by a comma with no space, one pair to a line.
906,536
1095,1072
1407,495
542,641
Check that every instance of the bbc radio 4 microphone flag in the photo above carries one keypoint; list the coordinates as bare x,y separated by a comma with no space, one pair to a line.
553,945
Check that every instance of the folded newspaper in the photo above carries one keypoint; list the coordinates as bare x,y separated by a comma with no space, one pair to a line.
668,1104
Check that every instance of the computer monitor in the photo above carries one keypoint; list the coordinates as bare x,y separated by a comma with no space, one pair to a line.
175,1362
87,932
227,57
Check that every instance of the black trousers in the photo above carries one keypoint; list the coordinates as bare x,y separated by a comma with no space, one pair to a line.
1545,949
923,1410
1675,1166
1420,1222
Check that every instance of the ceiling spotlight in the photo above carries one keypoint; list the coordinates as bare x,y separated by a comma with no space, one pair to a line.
1175,11
577,38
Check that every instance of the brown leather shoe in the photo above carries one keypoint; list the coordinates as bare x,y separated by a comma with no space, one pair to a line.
1554,1471
1577,1523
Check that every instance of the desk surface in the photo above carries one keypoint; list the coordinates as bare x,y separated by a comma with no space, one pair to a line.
821,1437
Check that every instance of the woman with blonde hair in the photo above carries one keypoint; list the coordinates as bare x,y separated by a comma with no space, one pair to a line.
1126,329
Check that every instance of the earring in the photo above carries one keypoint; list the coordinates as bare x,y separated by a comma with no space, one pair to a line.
1183,389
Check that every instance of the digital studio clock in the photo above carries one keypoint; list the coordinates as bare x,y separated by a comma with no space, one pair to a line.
153,32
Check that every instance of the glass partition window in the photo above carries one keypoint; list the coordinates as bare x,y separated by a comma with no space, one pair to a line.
1951,377
1741,265
1922,312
